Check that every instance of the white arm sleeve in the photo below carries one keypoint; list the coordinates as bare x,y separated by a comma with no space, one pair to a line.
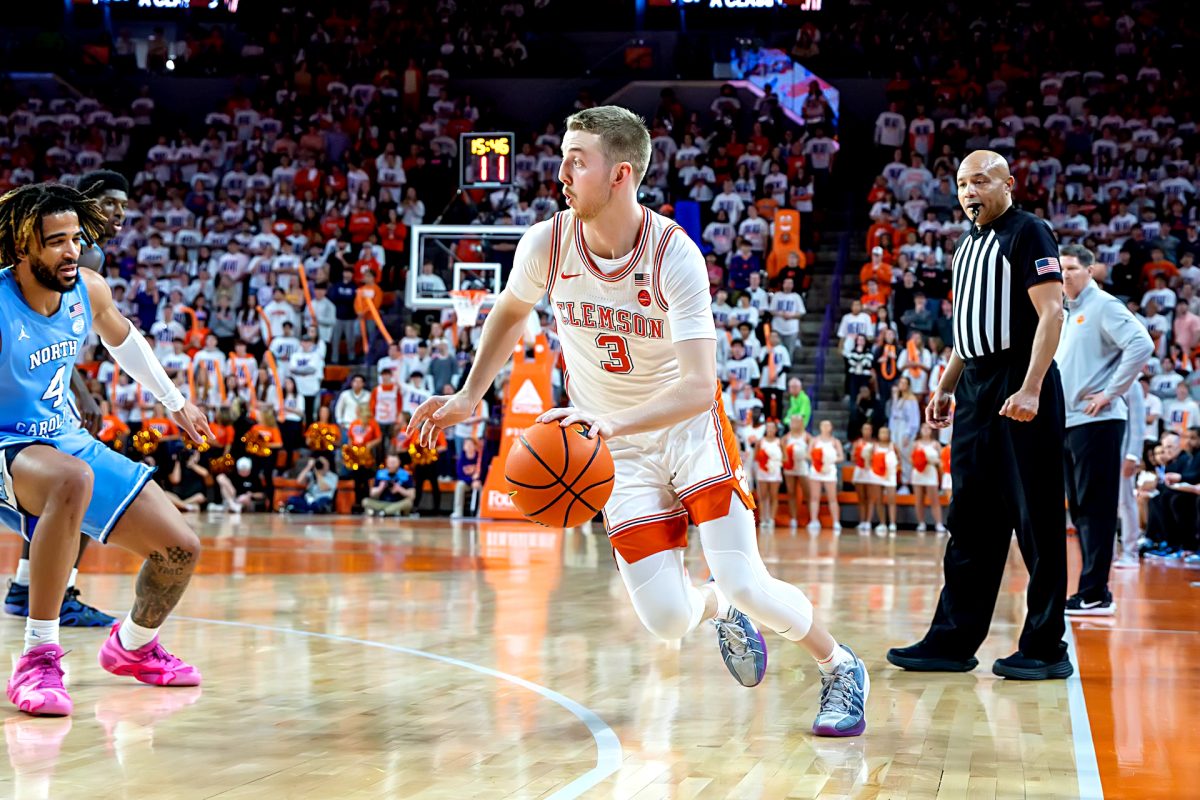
135,357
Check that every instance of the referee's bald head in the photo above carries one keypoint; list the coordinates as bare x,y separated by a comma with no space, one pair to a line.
984,186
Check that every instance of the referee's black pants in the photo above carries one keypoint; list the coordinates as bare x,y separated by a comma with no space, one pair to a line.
1006,476
1093,476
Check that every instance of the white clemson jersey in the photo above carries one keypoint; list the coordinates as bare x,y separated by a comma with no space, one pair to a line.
618,319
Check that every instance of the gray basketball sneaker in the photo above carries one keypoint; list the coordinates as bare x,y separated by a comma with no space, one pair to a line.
742,647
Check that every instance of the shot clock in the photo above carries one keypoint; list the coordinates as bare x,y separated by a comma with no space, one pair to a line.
485,160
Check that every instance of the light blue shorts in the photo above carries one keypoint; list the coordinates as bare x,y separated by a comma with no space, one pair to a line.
117,483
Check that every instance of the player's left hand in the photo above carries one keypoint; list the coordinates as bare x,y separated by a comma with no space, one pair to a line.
193,422
1022,406
566,417
89,412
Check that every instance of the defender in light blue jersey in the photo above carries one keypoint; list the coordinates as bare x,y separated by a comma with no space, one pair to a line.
111,190
54,478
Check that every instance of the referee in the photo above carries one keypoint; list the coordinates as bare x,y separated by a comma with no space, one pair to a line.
1006,450
1102,348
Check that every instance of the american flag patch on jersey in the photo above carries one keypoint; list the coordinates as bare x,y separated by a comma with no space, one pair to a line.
76,310
1046,266
641,279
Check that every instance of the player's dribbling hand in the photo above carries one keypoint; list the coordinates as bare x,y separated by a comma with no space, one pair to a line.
438,412
566,417
193,422
938,409
1022,406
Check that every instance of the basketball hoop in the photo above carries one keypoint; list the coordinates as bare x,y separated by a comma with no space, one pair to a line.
467,303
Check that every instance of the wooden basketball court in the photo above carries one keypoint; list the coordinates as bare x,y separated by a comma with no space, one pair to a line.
348,658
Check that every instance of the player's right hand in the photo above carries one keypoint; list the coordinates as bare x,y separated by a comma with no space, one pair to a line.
439,412
938,411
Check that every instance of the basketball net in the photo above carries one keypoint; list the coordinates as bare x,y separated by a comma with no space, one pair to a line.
467,303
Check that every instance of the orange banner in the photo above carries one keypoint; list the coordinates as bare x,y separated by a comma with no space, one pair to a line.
373,312
308,301
269,357
216,365
190,313
528,396
266,324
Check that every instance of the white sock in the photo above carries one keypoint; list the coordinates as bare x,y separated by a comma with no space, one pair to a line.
22,576
134,636
39,632
722,601
835,659
71,580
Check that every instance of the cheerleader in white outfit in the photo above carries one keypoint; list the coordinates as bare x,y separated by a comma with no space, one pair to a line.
860,454
796,465
750,432
768,466
926,462
884,463
826,455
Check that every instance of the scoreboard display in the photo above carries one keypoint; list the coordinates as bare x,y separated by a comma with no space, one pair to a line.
485,160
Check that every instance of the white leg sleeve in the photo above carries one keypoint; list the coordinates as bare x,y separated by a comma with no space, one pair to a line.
662,594
731,549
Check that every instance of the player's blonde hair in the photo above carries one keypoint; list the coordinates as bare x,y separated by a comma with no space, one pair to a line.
623,135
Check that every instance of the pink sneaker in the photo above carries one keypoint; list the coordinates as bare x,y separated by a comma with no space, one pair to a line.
150,664
36,685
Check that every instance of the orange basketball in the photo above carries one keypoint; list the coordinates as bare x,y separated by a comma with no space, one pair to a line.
558,476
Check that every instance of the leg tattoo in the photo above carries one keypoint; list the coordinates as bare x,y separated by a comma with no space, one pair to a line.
160,584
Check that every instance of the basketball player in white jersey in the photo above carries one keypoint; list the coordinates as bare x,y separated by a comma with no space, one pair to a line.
629,291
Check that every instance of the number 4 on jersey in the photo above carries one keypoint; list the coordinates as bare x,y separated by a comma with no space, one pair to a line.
618,360
55,390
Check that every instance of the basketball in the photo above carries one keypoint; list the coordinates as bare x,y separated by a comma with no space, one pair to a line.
558,476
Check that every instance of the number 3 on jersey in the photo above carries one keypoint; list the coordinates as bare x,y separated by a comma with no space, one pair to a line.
55,390
618,360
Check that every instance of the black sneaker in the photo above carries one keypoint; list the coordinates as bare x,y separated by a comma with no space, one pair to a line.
77,614
920,657
1078,607
1021,667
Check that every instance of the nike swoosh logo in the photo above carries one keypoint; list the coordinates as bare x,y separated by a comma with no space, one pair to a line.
565,276
1092,605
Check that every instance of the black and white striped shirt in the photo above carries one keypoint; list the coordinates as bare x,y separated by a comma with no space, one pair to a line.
994,267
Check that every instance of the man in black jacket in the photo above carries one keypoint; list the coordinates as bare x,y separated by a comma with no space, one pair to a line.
341,294
1173,513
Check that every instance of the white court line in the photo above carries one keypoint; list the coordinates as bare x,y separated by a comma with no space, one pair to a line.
1086,767
608,746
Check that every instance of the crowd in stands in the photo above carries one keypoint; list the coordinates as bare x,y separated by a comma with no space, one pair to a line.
265,252
1106,155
